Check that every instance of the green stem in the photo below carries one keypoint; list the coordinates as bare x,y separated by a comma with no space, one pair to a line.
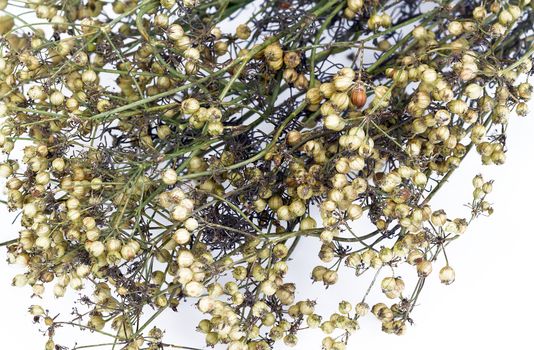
6,243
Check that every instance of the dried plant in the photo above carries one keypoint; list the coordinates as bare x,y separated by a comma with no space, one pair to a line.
156,157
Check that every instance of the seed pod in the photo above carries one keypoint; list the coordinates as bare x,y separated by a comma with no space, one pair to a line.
424,268
273,52
342,83
301,82
292,59
446,275
290,75
243,32
358,96
355,5
479,13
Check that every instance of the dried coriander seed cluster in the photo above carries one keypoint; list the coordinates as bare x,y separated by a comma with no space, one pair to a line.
155,157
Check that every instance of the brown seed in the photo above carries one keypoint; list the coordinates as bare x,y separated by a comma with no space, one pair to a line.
284,5
358,96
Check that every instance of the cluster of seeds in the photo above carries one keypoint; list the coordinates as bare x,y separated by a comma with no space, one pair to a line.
159,157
